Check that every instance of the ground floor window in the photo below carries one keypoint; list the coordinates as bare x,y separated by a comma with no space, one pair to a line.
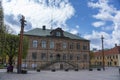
43,56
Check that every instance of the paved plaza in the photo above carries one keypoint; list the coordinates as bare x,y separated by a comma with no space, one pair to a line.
108,74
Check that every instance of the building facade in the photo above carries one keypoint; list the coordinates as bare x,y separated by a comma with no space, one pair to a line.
111,57
56,49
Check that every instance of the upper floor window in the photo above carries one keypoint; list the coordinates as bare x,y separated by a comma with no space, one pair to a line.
71,46
51,44
43,44
35,43
64,45
78,46
58,33
85,47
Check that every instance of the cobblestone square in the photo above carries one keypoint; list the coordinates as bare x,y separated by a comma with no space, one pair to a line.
108,74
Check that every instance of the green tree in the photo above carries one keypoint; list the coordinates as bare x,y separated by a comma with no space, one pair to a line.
2,43
12,45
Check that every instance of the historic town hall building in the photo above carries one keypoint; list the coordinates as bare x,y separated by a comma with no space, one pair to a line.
55,48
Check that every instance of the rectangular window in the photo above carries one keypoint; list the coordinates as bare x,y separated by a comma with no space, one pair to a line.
35,43
64,45
34,55
43,44
78,56
64,57
51,56
84,47
43,56
78,46
51,44
71,46
58,34
71,56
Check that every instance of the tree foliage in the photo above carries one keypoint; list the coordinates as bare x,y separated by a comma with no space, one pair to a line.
11,47
10,44
2,43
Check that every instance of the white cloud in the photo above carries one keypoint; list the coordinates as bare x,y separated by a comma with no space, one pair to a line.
95,38
98,24
74,31
107,28
106,13
52,13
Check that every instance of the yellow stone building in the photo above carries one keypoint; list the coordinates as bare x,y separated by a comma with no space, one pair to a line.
111,57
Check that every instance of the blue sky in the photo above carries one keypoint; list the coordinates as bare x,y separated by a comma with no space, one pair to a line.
88,18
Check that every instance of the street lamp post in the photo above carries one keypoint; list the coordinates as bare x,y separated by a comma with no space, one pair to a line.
22,20
103,52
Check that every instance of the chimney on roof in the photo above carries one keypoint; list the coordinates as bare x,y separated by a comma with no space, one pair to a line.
115,45
44,27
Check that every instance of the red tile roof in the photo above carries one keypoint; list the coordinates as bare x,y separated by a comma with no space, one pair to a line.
115,50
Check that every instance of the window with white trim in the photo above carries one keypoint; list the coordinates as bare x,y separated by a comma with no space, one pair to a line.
35,43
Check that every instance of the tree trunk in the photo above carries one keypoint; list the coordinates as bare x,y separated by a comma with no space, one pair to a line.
10,61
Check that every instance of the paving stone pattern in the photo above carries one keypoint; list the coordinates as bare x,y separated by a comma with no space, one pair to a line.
108,74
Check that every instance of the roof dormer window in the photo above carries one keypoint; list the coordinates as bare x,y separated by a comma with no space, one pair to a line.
58,33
